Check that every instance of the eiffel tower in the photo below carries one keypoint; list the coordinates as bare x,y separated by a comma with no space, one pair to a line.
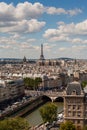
42,56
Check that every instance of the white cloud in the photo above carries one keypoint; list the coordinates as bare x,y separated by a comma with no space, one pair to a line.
31,40
26,46
28,10
18,20
24,26
7,12
15,43
58,11
62,49
25,10
79,48
74,12
5,47
22,17
77,40
78,51
16,36
7,41
67,32
48,47
53,10
60,38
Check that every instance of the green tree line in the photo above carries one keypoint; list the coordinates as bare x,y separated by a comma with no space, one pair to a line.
31,83
17,123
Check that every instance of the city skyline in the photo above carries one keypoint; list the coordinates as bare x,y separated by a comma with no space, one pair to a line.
59,25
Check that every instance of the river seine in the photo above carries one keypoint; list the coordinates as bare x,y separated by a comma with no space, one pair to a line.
34,118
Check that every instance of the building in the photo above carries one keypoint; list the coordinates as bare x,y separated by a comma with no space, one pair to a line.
46,62
75,104
10,90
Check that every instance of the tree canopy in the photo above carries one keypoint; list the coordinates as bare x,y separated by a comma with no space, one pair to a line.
49,112
31,83
17,123
84,83
85,127
68,125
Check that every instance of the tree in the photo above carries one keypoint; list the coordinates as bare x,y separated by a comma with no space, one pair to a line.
85,127
49,112
68,125
37,81
31,83
17,123
84,83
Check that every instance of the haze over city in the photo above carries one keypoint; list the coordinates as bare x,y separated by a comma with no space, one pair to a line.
61,26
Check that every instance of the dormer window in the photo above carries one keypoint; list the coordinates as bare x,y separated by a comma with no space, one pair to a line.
74,92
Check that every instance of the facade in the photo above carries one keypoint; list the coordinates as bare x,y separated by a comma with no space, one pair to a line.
75,105
48,62
11,90
51,82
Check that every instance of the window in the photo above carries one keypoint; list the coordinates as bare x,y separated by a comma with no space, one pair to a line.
69,113
78,121
74,121
78,127
79,107
74,113
69,107
78,114
74,106
74,92
86,114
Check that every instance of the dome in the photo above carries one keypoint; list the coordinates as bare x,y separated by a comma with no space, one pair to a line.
74,87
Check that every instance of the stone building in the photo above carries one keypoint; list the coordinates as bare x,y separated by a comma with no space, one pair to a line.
10,90
75,104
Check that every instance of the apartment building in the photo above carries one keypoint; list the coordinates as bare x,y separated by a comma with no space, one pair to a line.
11,89
75,104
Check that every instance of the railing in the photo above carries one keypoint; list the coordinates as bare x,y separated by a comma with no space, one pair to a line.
47,93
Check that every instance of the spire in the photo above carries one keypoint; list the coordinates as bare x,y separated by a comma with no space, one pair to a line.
41,56
42,49
24,59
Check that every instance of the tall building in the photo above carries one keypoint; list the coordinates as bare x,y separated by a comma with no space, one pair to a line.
75,104
41,56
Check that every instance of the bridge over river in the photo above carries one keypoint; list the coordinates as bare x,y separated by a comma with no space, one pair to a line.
53,95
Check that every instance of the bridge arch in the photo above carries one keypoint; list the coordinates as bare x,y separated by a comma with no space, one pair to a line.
59,99
53,99
46,98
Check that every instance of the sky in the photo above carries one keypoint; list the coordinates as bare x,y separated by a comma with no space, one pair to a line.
60,25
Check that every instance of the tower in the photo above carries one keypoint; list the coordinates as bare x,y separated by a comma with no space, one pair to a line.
24,59
41,56
75,105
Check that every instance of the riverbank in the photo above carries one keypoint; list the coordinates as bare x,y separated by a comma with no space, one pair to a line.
35,119
22,109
